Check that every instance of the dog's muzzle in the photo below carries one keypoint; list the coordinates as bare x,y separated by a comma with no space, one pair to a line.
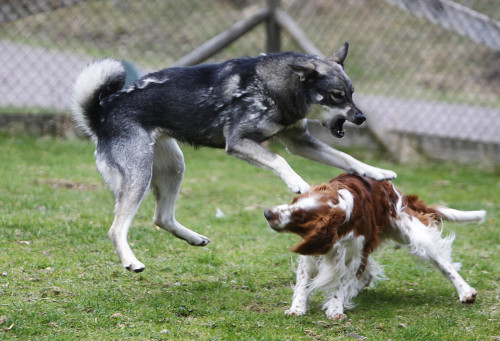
273,220
337,128
358,118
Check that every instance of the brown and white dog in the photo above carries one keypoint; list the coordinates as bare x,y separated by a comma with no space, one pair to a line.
343,221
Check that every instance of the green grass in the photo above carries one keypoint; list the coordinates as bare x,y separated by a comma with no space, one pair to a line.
61,279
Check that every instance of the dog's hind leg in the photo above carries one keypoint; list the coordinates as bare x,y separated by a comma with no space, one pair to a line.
168,171
426,242
126,167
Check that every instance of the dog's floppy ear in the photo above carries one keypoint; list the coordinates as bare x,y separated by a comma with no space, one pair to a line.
321,239
341,54
304,70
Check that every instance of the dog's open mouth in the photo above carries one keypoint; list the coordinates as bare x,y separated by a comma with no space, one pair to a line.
337,129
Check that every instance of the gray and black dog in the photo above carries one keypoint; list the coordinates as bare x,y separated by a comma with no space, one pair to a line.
234,105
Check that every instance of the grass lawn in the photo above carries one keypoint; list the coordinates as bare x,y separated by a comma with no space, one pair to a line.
60,278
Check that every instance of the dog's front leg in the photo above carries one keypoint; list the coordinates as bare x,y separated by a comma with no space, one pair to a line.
335,305
301,290
252,152
300,142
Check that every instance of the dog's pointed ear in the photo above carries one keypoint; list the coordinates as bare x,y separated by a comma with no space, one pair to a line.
323,237
341,54
304,71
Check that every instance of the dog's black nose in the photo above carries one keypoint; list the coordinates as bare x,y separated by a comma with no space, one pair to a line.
267,214
359,118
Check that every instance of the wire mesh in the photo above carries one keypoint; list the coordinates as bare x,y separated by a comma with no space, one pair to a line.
409,73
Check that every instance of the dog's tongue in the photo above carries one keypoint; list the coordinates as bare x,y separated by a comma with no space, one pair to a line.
337,129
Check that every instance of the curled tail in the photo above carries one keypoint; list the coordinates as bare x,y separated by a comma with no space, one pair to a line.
97,81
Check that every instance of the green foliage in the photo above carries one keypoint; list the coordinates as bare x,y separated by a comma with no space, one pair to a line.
61,280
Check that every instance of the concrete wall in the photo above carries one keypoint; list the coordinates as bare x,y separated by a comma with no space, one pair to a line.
432,147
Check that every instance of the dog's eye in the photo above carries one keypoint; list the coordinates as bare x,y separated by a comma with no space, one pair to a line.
299,216
337,95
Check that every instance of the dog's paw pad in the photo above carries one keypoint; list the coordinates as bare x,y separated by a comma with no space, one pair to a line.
294,312
389,175
470,298
135,267
299,189
200,241
204,242
337,317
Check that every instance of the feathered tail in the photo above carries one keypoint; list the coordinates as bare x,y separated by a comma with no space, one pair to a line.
445,212
97,81
456,215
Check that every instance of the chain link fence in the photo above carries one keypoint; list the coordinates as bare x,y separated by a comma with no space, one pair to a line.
421,70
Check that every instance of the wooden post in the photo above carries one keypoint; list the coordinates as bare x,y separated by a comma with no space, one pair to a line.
273,29
222,40
296,33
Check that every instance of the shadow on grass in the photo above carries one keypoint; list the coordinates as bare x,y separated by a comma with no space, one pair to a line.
404,299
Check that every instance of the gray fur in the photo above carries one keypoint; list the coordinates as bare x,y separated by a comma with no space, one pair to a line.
234,105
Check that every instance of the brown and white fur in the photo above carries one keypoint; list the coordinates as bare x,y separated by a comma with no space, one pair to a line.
343,221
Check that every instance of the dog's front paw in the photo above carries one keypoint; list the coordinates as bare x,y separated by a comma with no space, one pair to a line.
198,240
299,186
336,316
375,173
135,266
469,297
387,174
295,312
